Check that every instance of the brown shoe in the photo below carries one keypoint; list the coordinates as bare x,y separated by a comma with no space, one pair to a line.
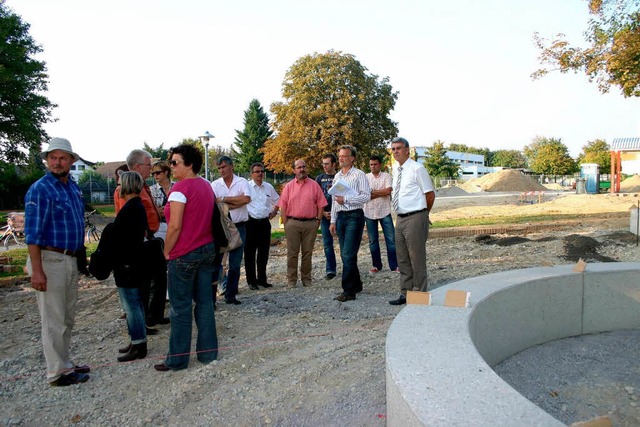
161,367
345,297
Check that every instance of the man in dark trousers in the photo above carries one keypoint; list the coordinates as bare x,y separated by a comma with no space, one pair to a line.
326,181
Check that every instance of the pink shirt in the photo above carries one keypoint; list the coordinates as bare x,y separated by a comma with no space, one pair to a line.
302,199
197,195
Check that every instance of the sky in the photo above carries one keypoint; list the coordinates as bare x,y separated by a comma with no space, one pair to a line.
126,72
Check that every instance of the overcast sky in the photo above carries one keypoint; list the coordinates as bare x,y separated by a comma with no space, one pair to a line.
125,72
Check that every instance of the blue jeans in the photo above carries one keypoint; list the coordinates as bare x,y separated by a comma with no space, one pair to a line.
349,227
133,305
327,242
189,282
229,283
389,239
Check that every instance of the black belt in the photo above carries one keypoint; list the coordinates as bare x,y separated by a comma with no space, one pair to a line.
302,219
61,251
241,224
404,215
258,219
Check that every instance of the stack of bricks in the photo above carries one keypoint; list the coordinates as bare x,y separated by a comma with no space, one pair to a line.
7,267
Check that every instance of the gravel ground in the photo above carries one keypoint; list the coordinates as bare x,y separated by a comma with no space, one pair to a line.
287,357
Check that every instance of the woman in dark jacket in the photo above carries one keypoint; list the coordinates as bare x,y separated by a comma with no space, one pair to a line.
129,230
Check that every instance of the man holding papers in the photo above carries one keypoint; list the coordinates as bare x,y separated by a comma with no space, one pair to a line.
350,192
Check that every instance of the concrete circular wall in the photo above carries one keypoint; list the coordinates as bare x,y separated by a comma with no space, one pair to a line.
439,358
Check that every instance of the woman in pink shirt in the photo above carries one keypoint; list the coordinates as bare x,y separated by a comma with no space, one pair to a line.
189,251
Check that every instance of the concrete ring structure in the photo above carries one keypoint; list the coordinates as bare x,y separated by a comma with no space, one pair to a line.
439,359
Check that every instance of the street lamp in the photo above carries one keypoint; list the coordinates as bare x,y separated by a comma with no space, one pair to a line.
205,141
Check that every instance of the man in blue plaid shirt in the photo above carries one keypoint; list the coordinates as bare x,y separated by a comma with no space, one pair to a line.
54,230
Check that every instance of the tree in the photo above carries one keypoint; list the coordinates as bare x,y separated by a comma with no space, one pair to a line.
438,164
597,151
549,156
157,153
613,57
329,100
508,159
462,148
23,80
252,138
89,175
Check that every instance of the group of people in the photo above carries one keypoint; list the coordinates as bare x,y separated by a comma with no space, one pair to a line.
342,201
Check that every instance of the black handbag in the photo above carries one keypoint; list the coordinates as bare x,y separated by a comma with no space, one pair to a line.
153,254
102,260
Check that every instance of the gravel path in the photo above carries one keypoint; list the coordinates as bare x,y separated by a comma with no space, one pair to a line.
288,358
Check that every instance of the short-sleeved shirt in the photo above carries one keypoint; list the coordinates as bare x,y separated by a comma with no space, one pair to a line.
326,181
301,199
415,183
158,195
263,199
198,199
379,207
54,214
238,186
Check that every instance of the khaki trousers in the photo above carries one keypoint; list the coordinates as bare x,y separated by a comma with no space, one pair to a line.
300,235
411,249
57,307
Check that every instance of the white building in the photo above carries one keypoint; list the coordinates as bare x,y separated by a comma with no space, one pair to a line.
79,167
471,165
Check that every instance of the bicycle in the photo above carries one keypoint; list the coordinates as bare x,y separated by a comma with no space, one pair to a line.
14,228
93,232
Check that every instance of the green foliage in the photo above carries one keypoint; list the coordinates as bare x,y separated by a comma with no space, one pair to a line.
14,183
251,139
549,156
89,175
438,164
597,151
508,159
329,100
23,80
157,153
613,55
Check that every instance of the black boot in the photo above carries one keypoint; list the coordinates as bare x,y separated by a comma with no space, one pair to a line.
138,351
125,349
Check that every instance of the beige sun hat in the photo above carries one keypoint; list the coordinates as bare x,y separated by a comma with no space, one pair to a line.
62,145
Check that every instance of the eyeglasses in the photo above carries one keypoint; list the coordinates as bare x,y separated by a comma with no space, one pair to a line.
145,164
175,162
259,171
156,172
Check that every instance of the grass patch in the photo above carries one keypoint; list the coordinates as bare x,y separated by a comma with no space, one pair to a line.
106,210
19,257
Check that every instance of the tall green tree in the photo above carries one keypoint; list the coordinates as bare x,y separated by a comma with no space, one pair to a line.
23,81
613,55
330,100
549,156
508,159
463,148
157,153
596,151
438,164
251,139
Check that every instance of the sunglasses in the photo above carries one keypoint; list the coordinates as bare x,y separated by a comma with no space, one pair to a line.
156,172
175,162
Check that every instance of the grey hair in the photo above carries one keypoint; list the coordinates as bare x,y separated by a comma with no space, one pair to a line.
400,139
135,157
354,151
130,183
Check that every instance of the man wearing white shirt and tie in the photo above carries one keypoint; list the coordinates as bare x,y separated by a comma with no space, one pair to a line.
412,198
263,207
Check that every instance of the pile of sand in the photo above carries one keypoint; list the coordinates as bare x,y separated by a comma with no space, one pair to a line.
504,180
450,191
631,184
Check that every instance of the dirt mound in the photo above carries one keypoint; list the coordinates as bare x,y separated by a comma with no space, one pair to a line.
504,180
631,184
450,191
